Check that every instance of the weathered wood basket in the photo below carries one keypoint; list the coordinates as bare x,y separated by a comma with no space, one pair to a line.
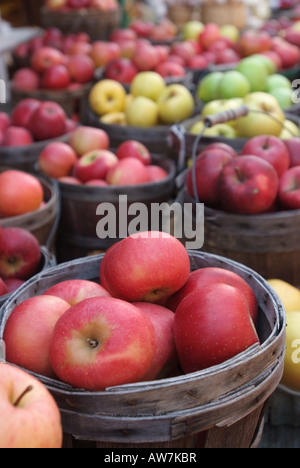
42,222
229,12
98,24
222,406
77,236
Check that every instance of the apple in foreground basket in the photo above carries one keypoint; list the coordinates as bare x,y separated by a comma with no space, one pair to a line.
48,121
57,159
293,147
134,149
76,290
38,316
94,165
165,354
215,275
248,185
3,288
20,254
22,112
145,267
20,193
289,189
270,148
127,171
85,139
30,417
212,324
156,173
175,104
102,342
17,136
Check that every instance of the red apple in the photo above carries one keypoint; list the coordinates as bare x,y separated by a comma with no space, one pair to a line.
25,79
70,180
224,147
20,254
77,48
122,70
165,350
254,42
134,149
38,316
145,267
227,56
3,288
214,275
94,165
22,112
288,53
123,33
20,193
163,52
183,49
77,4
17,136
103,52
102,342
13,284
170,69
57,159
46,57
81,68
293,147
76,290
289,189
141,27
30,417
146,57
204,177
198,62
209,35
212,324
5,121
156,173
248,185
271,149
96,183
274,57
85,139
56,77
127,171
48,121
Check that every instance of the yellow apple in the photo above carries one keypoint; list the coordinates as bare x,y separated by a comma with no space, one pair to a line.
291,373
289,294
114,118
148,84
230,31
290,130
223,130
175,104
265,116
107,96
142,112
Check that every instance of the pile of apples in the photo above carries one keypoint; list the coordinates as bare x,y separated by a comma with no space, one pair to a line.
130,327
87,160
20,256
263,178
64,6
149,102
33,120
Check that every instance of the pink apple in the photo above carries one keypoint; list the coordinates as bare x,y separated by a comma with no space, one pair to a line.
45,57
25,79
183,49
271,149
96,183
146,57
147,267
20,193
5,121
23,111
209,35
48,121
289,189
20,254
75,291
95,165
254,42
81,68
38,316
198,62
156,173
141,27
103,52
293,147
165,350
13,284
30,417
134,149
17,136
56,77
248,185
57,159
127,171
85,139
70,180
3,288
123,33
212,324
102,342
170,69
214,275
122,70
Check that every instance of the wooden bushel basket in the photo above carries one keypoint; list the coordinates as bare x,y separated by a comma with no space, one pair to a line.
222,406
221,13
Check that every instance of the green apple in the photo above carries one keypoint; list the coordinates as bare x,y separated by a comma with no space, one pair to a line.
230,31
148,84
207,89
175,104
283,96
233,84
142,112
265,116
255,71
222,105
191,30
223,130
290,130
269,64
278,81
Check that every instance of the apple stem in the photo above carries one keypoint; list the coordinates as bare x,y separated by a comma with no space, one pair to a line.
266,143
93,343
239,175
27,390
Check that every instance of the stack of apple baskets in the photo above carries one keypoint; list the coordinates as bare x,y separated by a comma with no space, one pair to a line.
222,406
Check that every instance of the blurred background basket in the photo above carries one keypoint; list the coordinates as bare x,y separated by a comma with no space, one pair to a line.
232,12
